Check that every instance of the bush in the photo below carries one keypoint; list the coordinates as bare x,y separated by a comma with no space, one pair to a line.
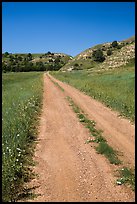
29,57
76,64
48,53
109,52
6,54
114,44
50,60
57,60
119,46
104,48
98,55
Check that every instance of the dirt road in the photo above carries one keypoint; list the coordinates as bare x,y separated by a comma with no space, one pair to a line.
119,132
67,168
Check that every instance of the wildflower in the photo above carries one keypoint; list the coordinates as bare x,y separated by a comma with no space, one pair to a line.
18,149
119,182
18,135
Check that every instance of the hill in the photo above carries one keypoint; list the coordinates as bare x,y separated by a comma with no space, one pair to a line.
115,55
33,62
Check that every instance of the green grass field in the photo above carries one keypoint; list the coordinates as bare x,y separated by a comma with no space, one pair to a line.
21,101
115,88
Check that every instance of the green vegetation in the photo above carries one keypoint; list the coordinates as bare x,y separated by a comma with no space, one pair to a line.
127,176
21,101
103,56
115,88
109,52
114,43
98,55
57,85
108,151
33,62
103,147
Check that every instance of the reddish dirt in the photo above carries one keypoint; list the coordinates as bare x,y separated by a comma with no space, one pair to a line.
67,168
119,132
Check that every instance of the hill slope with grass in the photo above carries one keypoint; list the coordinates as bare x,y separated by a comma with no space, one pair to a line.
33,62
104,56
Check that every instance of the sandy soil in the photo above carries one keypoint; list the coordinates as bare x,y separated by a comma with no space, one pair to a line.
68,169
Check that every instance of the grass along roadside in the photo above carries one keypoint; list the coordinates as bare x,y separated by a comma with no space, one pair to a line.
125,175
21,102
56,84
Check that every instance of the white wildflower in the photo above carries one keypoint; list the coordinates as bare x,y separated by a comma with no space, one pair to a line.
119,182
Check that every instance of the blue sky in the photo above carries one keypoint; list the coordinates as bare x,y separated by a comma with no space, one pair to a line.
66,27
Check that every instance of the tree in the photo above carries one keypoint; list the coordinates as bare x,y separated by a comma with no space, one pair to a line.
40,66
57,60
98,55
6,54
48,53
29,56
114,44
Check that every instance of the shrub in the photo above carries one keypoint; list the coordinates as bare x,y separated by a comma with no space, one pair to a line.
76,64
57,60
98,55
50,60
119,46
104,48
49,53
6,54
109,52
114,44
29,57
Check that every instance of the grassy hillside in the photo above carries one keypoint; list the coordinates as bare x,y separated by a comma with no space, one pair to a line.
33,62
21,100
115,88
115,56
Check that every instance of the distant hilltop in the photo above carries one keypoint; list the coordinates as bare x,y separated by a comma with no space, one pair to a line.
33,62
